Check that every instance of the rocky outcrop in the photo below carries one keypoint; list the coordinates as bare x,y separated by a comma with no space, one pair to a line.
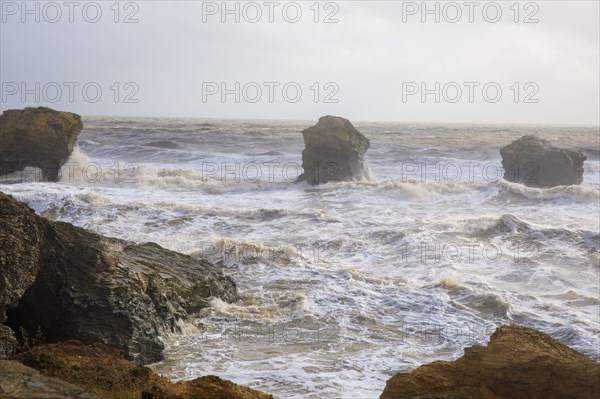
39,137
333,151
103,371
99,289
19,255
21,382
518,363
534,162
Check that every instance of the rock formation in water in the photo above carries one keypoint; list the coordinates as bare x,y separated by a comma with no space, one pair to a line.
74,284
333,151
39,137
518,363
534,162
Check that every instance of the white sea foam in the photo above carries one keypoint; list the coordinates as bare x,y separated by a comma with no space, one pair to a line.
344,284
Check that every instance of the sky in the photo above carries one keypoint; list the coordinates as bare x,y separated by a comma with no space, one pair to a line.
474,62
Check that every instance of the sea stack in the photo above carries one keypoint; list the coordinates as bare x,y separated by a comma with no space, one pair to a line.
534,162
333,151
38,137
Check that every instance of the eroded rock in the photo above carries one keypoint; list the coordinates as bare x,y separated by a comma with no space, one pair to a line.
101,289
19,251
534,162
518,363
38,137
333,151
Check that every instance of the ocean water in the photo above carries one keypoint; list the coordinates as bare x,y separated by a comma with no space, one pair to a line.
345,284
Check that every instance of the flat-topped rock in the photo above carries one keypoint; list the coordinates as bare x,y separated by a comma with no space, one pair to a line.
37,137
333,151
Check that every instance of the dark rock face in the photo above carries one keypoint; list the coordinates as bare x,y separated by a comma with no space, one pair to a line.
518,363
21,382
535,162
19,251
333,151
100,289
39,137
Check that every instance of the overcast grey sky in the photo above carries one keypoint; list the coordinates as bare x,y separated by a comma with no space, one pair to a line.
174,59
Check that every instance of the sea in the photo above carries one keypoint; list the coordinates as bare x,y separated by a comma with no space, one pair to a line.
344,284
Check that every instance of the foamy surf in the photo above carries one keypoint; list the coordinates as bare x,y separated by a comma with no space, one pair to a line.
346,282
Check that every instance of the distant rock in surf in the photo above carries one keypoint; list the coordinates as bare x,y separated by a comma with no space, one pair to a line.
534,162
38,137
74,284
333,151
518,363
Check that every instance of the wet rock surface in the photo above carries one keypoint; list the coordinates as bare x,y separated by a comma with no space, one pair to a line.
100,289
19,251
534,162
38,137
333,151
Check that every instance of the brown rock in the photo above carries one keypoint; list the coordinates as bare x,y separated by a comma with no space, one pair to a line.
21,382
534,162
39,137
333,151
518,363
104,371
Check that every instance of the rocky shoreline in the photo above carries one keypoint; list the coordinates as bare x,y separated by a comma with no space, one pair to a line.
74,284
103,304
84,292
116,298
